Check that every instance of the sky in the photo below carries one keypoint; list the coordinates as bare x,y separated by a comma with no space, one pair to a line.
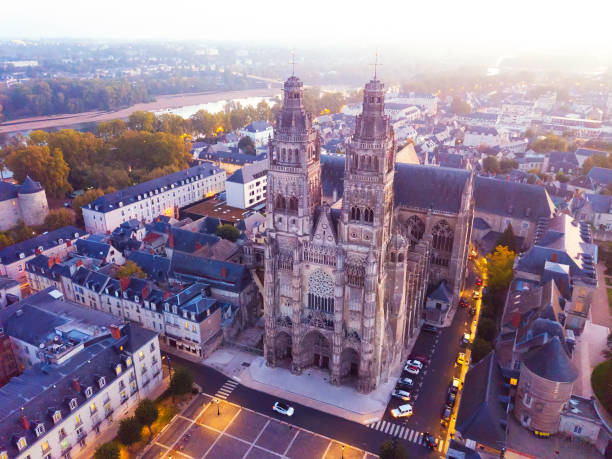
512,25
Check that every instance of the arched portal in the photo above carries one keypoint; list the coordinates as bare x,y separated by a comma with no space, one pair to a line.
316,350
349,366
282,348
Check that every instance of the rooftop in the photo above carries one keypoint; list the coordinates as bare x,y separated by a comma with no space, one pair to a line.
29,247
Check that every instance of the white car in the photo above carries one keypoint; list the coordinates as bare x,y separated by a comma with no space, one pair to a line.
406,381
402,394
283,409
415,363
402,411
466,338
412,369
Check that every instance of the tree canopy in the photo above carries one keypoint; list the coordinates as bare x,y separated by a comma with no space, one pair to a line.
130,431
246,145
500,265
130,269
491,165
229,232
109,450
181,382
596,160
550,142
58,218
146,413
460,107
507,238
84,199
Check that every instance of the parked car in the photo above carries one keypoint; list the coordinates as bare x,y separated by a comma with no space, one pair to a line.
465,339
282,408
463,303
453,387
450,399
461,358
415,363
402,411
445,414
412,369
479,282
429,441
401,394
406,382
472,311
430,329
421,358
476,294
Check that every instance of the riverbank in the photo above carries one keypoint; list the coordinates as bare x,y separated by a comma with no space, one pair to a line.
162,103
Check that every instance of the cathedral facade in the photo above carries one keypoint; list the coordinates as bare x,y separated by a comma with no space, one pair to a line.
346,278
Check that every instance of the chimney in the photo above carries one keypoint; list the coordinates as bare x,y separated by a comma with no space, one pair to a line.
115,331
76,384
553,258
224,272
198,245
171,240
145,291
24,422
166,295
50,262
79,263
125,282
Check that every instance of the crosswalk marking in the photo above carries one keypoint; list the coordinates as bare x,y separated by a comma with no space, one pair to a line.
403,432
226,389
408,431
412,432
387,427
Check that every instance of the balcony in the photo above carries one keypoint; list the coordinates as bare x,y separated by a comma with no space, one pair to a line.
145,383
109,413
66,451
125,399
156,373
81,435
62,434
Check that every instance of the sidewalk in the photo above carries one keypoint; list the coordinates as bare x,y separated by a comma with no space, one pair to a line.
587,355
600,309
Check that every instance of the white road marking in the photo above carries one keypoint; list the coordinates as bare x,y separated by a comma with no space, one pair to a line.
401,432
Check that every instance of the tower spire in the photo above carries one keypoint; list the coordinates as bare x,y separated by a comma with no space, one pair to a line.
375,64
292,63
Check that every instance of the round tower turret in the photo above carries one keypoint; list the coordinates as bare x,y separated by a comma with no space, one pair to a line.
33,204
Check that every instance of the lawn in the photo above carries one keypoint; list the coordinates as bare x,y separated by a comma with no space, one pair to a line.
610,299
601,380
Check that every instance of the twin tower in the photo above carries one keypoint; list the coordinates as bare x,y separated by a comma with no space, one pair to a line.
327,281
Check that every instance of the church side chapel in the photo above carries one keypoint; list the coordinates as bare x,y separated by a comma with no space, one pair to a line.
351,250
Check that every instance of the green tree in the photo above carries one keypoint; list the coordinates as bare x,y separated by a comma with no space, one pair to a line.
109,450
22,232
58,218
390,451
491,164
110,129
142,121
480,348
550,142
499,267
41,164
181,382
460,107
130,431
597,160
5,240
246,145
507,238
130,269
84,199
229,232
506,165
486,329
146,413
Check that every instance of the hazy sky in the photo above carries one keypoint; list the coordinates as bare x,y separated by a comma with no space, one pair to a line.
512,24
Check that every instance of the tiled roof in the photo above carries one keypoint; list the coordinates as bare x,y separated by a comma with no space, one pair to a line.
28,247
249,172
92,249
220,274
601,175
129,195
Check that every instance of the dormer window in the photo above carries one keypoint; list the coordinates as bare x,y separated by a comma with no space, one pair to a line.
3,455
72,404
57,416
141,355
21,443
88,392
101,382
128,361
118,369
39,429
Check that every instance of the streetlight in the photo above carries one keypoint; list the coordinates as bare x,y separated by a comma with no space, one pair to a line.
217,402
342,452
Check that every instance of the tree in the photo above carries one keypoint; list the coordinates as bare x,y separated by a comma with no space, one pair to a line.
41,164
130,269
130,431
58,218
602,160
507,238
109,450
229,232
480,348
460,107
142,121
506,165
561,177
146,413
246,145
391,450
550,142
486,329
491,164
181,382
499,267
84,199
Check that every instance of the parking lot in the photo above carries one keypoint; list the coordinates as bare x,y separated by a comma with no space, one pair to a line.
209,429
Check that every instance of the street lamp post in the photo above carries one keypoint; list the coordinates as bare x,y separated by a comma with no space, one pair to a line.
218,411
342,452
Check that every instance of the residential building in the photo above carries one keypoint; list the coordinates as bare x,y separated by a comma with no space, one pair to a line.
26,202
563,161
10,291
57,243
84,373
160,196
9,366
476,136
601,176
595,209
259,131
230,159
247,186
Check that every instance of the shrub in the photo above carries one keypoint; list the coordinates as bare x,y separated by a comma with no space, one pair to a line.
130,431
181,382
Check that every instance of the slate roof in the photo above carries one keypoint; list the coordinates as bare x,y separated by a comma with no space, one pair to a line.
482,130
129,195
441,293
229,155
600,203
489,241
92,249
565,159
155,266
257,126
589,152
220,274
29,186
249,172
28,247
551,362
11,191
481,411
601,175
480,224
510,199
190,241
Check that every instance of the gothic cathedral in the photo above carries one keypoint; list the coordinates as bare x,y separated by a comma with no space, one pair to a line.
343,286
